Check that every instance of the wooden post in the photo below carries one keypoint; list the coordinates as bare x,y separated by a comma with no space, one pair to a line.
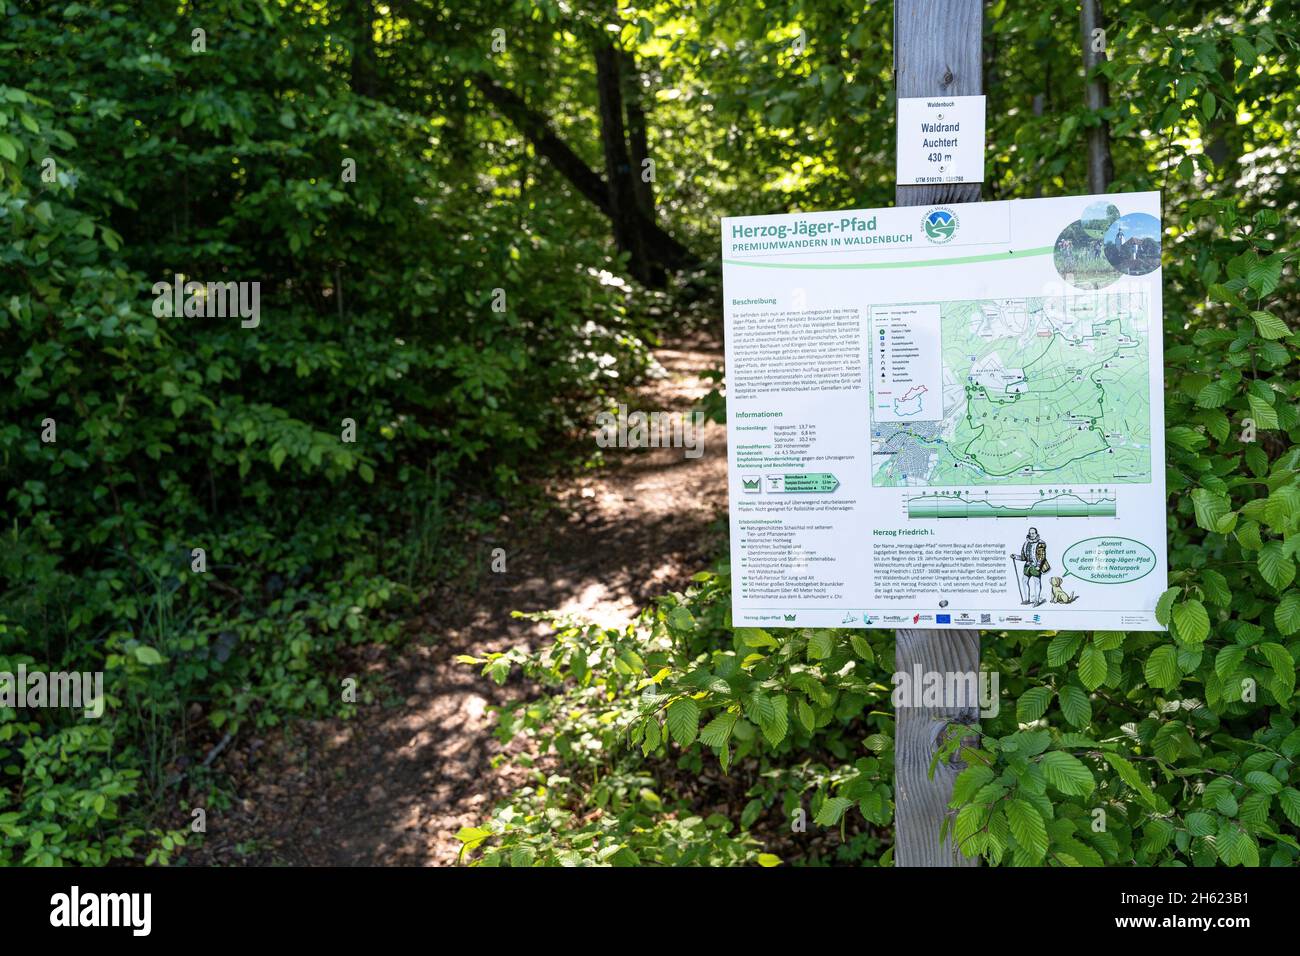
1100,169
937,52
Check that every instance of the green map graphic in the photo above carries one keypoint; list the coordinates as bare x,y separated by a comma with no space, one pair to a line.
1035,390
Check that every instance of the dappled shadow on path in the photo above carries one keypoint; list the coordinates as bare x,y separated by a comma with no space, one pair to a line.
395,783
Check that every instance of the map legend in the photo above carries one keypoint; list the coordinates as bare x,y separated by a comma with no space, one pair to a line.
906,360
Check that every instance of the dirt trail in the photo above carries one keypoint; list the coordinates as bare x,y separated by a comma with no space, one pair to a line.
395,783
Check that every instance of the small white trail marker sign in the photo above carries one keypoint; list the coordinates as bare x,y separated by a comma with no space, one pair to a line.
940,140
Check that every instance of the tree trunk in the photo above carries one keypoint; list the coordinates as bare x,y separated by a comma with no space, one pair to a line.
623,209
1040,102
937,45
1100,168
658,244
637,140
921,802
362,26
639,152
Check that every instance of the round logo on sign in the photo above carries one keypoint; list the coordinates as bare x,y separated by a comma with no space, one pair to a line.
939,224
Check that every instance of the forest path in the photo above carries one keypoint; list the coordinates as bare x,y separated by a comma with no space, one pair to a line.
394,784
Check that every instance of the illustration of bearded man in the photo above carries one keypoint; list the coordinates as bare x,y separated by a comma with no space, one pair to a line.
1033,554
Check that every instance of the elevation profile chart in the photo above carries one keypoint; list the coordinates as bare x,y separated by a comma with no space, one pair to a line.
985,504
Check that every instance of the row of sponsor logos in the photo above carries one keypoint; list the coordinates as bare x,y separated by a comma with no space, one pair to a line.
952,618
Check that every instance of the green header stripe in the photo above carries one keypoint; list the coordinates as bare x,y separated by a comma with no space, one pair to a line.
915,264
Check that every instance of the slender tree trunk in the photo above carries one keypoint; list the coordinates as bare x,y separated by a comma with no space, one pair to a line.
623,206
637,140
639,152
361,28
1100,168
1040,101
990,58
937,45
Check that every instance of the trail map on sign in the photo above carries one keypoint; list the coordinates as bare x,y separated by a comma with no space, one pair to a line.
1034,390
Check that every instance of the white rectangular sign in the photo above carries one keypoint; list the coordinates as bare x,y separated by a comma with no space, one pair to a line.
940,140
948,416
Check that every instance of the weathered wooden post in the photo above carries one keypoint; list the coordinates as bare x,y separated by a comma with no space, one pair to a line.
937,52
1100,168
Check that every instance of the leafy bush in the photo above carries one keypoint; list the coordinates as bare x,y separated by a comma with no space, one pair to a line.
127,158
801,718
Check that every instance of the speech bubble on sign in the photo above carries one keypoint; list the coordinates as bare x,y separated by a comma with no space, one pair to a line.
1112,560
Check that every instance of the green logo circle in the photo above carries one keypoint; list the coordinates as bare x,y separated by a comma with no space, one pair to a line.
940,224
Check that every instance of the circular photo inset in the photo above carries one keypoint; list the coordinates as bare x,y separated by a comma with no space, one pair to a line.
1133,244
1080,260
1096,219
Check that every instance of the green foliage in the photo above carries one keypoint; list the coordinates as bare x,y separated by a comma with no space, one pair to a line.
1153,749
624,823
797,719
126,157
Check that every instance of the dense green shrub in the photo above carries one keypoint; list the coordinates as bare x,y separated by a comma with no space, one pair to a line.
127,157
802,719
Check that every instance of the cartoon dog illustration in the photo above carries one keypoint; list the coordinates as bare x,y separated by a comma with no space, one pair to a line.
1058,593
